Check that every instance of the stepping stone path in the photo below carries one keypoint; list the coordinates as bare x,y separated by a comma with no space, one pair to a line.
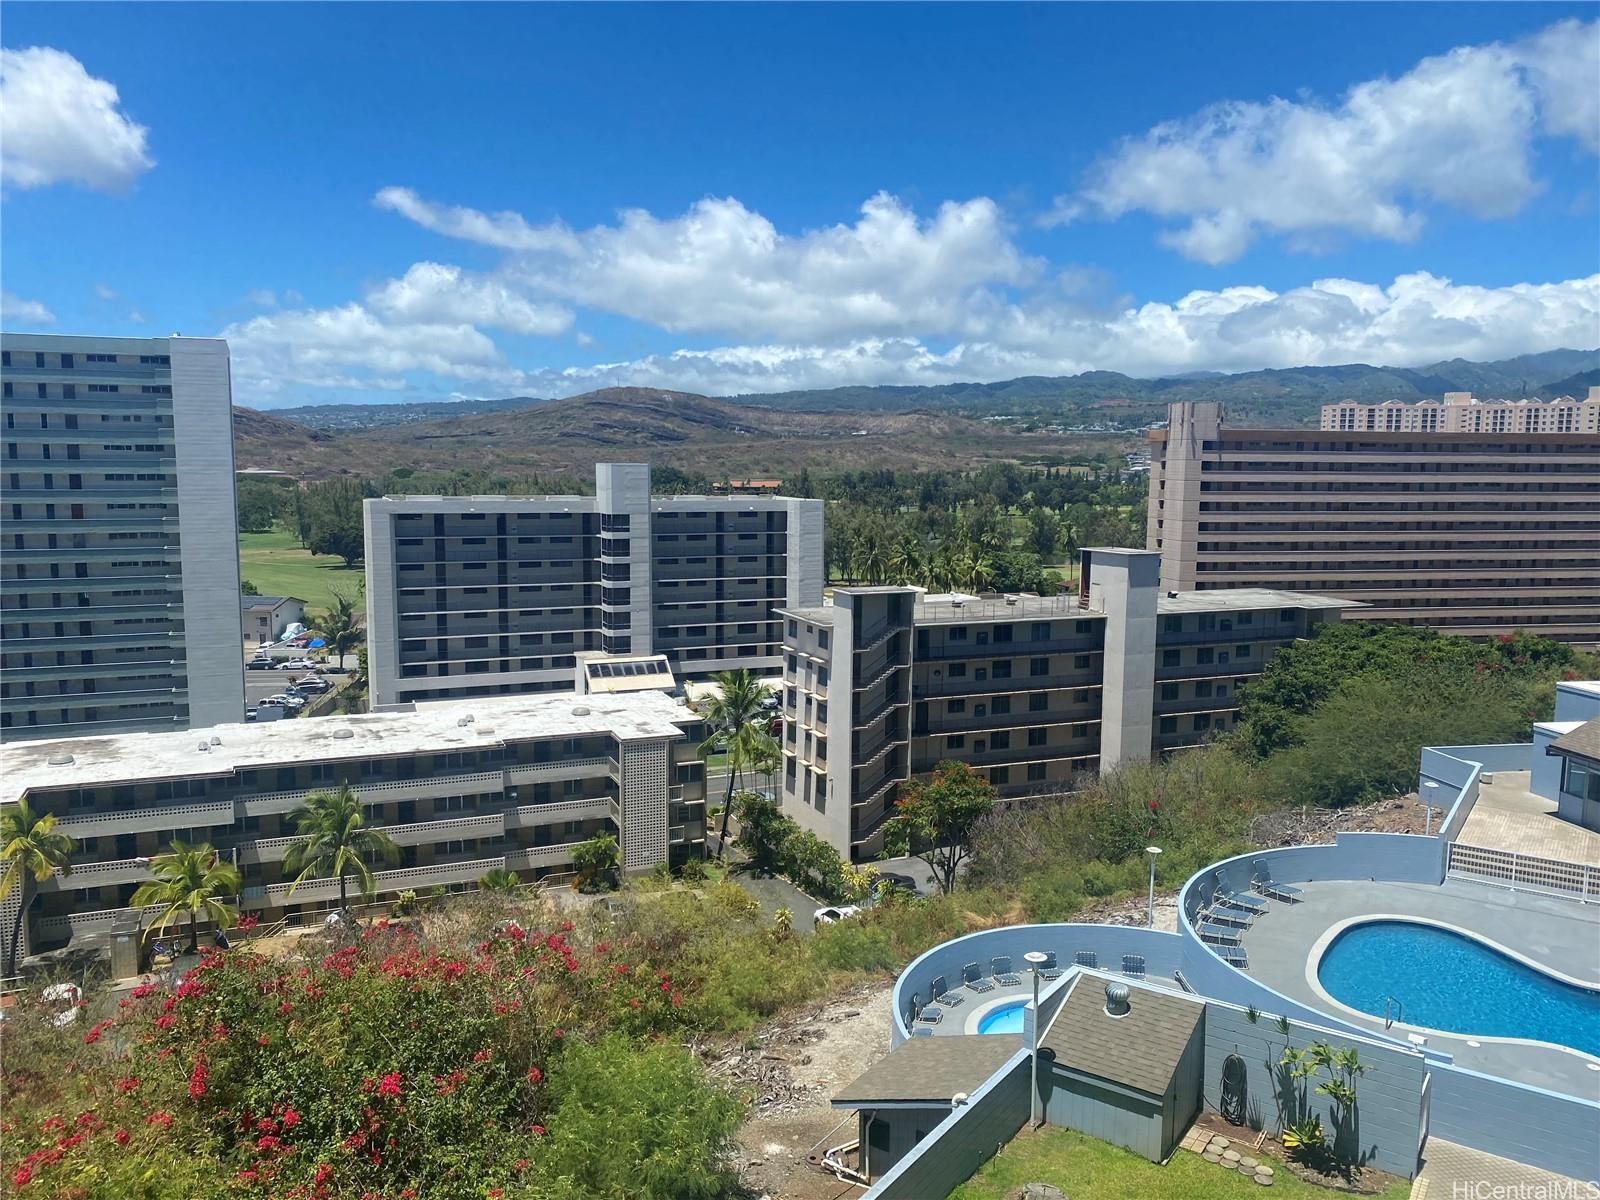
1220,1150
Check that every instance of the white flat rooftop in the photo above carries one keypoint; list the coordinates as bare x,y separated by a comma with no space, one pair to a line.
1248,599
434,727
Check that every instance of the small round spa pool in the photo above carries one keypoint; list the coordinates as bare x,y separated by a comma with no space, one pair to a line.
1003,1018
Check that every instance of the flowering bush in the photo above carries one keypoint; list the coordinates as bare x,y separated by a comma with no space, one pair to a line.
386,1068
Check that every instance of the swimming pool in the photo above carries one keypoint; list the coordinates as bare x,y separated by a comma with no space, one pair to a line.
1455,984
1006,1018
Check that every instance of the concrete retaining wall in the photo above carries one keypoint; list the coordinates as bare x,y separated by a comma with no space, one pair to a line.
1513,1120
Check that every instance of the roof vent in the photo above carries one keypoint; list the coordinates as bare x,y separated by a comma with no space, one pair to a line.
1172,595
215,740
344,733
580,711
1117,1000
205,747
61,760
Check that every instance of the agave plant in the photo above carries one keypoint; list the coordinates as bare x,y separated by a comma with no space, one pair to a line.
1304,1138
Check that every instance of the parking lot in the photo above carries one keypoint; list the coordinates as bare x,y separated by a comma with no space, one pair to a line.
261,683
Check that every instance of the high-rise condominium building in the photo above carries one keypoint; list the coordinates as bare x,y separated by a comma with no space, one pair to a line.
1460,412
461,788
119,572
885,683
1476,533
493,595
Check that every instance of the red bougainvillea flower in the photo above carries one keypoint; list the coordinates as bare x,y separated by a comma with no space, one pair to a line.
121,1137
95,1031
535,1075
324,1173
162,1119
21,1176
197,1079
290,1118
128,1084
390,1085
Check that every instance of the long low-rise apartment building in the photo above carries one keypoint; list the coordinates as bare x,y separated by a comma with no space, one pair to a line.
1475,533
497,595
461,787
885,683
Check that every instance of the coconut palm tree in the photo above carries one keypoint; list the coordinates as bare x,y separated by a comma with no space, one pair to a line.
736,717
499,879
32,851
341,627
905,560
190,880
335,841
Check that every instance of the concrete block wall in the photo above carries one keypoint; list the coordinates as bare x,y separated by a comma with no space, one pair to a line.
969,1137
1386,1126
1513,1120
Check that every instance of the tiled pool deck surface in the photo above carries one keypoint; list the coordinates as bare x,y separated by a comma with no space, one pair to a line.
1509,817
1452,1172
1560,934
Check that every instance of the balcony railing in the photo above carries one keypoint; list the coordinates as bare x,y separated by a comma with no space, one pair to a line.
260,803
432,875
526,816
136,820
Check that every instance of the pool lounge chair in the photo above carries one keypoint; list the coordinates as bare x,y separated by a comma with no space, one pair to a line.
923,1031
931,1016
1261,879
1223,913
1219,935
1048,969
972,978
1133,966
1223,894
1234,956
1087,958
941,994
1003,974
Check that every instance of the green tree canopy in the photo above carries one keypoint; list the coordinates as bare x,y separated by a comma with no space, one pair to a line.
934,818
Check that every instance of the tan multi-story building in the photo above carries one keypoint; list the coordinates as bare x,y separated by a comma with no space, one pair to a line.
462,787
885,683
1460,412
1469,533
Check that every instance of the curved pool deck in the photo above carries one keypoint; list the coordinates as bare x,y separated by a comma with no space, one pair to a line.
1559,936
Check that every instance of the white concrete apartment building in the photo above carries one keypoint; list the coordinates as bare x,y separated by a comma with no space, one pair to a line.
1470,533
497,595
119,577
1461,412
885,683
462,787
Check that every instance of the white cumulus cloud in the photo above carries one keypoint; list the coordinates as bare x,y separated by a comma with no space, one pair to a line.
433,292
1456,130
720,267
59,124
16,310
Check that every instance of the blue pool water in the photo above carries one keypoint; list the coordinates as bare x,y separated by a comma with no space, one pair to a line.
1005,1019
1453,983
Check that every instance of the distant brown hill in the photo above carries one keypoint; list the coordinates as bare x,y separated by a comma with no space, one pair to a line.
667,428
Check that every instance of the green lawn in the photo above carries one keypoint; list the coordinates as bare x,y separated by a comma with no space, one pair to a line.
1084,1166
276,564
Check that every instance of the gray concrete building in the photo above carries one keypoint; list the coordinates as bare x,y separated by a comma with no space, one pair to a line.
1476,532
885,683
119,581
498,595
461,787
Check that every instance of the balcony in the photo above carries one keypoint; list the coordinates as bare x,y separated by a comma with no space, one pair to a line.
99,874
258,804
560,769
527,858
529,816
138,820
415,878
447,828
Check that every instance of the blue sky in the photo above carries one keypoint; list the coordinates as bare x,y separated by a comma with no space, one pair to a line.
381,202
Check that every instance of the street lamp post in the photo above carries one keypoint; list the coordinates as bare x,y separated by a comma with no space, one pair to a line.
1152,852
1035,959
1432,787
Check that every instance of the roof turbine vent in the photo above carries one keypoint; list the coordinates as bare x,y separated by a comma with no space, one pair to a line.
1117,1000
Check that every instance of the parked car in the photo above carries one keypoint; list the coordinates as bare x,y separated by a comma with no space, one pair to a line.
312,683
835,913
900,883
297,664
259,664
285,700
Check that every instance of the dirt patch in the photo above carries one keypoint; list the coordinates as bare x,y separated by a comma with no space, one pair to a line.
1309,826
788,1071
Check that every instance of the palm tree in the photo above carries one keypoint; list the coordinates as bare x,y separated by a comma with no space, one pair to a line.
499,879
599,857
192,880
341,626
735,717
335,841
32,851
905,560
871,562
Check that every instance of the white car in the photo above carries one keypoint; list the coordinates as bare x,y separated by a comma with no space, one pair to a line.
836,913
299,664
